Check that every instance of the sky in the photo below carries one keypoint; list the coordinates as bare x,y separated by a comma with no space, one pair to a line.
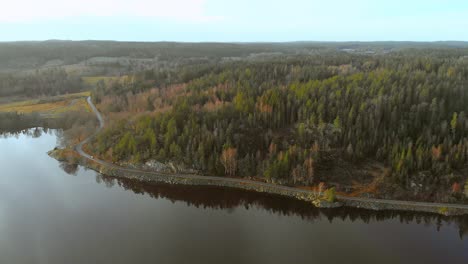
234,20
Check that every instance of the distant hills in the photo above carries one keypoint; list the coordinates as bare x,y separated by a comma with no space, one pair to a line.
27,55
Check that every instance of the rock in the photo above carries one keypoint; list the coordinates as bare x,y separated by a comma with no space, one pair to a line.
156,166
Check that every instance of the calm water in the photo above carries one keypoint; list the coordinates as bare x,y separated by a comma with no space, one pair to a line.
53,213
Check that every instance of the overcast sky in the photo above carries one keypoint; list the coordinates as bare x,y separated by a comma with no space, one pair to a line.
234,20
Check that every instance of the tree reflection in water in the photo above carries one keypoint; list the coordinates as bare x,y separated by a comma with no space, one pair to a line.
228,199
69,168
36,132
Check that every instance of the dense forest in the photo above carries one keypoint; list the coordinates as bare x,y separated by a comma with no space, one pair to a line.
43,83
292,119
56,67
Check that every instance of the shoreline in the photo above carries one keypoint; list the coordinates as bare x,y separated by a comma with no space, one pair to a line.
110,169
249,185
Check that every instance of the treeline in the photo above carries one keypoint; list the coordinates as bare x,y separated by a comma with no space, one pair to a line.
284,120
47,82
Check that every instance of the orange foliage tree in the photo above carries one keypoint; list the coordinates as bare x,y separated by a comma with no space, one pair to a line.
229,160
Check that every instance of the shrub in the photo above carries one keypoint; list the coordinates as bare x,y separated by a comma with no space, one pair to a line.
330,195
443,210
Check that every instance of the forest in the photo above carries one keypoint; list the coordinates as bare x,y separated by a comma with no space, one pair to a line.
396,120
44,83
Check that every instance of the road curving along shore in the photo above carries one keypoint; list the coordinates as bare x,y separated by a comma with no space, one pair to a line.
306,195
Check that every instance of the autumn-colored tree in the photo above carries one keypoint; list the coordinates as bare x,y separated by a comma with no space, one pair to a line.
436,152
229,160
456,188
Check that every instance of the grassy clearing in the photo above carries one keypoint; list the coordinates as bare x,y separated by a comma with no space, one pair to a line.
51,106
20,100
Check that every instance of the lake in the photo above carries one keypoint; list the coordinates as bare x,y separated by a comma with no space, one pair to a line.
52,212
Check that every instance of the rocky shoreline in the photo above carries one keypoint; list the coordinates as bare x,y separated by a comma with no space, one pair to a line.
300,194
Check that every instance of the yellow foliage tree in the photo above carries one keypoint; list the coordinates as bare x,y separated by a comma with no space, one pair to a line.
229,160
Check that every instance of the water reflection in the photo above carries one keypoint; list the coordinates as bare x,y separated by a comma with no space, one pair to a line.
36,132
71,169
227,198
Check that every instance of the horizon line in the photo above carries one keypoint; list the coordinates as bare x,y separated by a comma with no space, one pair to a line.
236,42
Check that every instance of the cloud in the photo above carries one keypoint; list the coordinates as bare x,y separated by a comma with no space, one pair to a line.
34,10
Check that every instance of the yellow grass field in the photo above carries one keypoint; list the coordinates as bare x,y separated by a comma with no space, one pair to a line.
51,106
